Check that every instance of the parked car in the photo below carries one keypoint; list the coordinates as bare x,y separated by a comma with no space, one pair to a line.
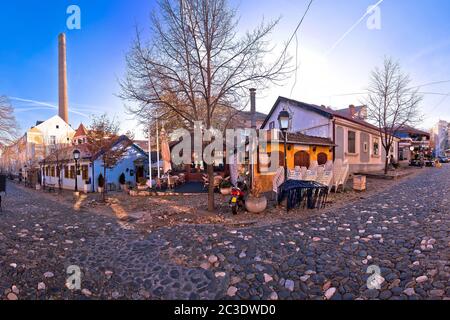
443,159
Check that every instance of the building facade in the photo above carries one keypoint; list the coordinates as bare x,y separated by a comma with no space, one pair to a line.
60,168
355,141
35,145
440,138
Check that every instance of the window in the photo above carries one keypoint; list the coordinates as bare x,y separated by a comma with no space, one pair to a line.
72,172
66,172
351,142
57,126
272,125
376,147
52,171
84,172
52,140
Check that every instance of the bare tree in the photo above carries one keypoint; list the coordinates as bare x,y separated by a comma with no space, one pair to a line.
103,140
391,102
195,64
8,124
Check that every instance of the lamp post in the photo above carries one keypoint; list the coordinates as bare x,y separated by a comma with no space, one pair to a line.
283,121
76,157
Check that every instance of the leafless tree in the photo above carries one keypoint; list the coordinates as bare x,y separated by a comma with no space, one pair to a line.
196,63
103,140
8,124
391,102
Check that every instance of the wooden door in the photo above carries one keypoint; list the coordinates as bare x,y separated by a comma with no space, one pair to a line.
302,159
322,158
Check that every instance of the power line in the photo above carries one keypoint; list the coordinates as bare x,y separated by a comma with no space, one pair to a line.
298,27
296,46
353,27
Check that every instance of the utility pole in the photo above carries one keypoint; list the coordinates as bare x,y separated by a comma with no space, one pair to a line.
157,147
150,153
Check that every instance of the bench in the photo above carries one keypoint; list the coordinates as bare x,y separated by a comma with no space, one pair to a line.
51,187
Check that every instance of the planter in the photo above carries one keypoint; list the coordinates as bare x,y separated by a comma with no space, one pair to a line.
225,191
76,194
142,188
38,187
124,187
87,188
100,189
256,205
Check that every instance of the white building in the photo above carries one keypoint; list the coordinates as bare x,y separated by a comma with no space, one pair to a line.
90,167
35,145
440,137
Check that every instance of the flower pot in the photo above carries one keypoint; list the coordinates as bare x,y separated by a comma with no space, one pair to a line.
124,187
225,191
38,187
256,205
142,188
87,188
100,189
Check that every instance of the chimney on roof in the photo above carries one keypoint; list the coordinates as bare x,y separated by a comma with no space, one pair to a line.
352,109
253,107
62,79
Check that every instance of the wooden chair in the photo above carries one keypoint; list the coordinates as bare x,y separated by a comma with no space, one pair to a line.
337,172
320,172
343,177
313,166
329,165
310,176
303,171
326,179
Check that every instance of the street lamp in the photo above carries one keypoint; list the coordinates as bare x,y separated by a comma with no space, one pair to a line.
76,157
283,121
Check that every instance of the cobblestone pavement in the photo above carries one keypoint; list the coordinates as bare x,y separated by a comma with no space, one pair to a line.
404,231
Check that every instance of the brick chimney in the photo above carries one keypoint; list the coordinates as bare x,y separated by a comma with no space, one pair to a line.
253,107
62,79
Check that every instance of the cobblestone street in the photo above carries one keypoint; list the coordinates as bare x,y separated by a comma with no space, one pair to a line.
403,230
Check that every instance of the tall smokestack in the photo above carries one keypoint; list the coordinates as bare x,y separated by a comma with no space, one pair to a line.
62,75
253,107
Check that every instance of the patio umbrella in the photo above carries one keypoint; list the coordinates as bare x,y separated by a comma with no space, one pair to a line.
165,152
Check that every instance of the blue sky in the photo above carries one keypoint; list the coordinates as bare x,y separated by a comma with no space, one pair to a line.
416,32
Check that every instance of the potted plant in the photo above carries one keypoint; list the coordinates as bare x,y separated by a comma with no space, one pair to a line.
87,185
142,184
256,202
225,187
101,183
122,182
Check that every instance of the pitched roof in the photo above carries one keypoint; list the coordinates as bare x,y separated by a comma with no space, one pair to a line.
411,130
81,131
296,137
143,144
326,112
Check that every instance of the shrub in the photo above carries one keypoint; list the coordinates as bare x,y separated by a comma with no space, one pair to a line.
225,184
256,190
142,181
